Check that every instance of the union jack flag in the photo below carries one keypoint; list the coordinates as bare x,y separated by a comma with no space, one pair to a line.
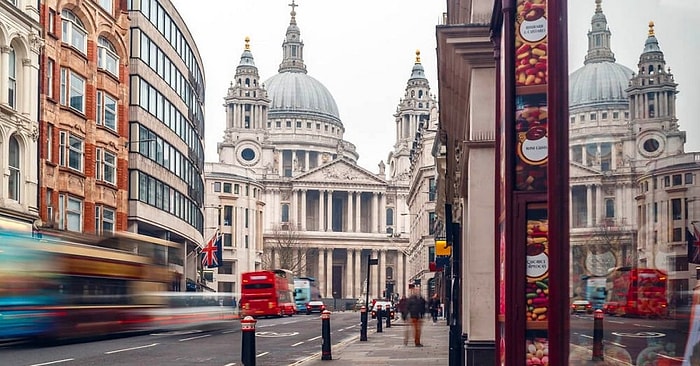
212,252
693,238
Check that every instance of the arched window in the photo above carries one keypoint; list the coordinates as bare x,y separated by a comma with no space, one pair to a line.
13,184
420,94
107,58
12,79
247,82
73,31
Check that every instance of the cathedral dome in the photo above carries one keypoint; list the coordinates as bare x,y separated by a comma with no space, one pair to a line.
300,94
599,83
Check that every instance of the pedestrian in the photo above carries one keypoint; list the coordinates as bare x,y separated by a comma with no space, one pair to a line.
402,307
434,306
416,310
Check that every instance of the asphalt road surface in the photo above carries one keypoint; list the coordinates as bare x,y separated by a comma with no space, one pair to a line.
279,341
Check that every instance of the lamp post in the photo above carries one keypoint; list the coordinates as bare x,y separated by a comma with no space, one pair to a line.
363,314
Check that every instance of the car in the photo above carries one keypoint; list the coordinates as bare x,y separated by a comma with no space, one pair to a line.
385,305
581,306
315,306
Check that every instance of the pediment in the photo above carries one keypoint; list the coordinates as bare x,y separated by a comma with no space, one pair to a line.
340,171
580,170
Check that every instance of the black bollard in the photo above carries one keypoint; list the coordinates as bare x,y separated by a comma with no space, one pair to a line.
388,317
326,335
248,341
597,336
379,318
363,323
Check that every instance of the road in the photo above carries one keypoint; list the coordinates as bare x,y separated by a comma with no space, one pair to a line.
639,337
279,341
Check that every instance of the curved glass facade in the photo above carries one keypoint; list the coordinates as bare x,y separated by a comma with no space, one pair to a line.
166,128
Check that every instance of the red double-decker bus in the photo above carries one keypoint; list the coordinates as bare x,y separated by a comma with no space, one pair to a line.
267,293
636,292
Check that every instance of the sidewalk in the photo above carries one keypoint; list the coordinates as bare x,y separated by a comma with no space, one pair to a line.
387,348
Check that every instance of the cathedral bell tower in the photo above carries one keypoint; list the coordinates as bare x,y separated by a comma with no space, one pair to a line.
246,104
412,117
652,99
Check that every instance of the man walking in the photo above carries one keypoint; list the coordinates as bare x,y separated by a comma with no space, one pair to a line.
416,310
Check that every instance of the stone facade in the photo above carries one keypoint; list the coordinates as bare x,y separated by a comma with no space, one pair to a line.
20,47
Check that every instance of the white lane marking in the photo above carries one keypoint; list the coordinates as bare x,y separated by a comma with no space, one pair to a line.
197,337
643,325
131,349
290,322
53,362
296,344
616,322
585,336
617,344
227,332
262,354
230,364
313,339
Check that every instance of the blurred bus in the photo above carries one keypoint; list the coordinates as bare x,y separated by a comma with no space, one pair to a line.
53,289
267,293
305,290
636,292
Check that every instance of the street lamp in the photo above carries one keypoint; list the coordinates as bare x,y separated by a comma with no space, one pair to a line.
363,314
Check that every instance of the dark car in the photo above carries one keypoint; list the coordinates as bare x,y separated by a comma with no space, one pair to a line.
581,306
316,306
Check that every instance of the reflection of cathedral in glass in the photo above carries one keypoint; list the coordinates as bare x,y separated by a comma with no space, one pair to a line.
626,152
297,199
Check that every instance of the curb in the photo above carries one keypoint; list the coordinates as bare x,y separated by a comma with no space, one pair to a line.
316,356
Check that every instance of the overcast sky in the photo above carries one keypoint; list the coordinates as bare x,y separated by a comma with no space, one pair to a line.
363,52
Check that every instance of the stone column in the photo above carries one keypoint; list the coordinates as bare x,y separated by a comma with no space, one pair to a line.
293,213
321,272
358,209
348,219
382,271
329,211
357,278
589,205
400,285
373,214
5,71
329,272
280,163
599,204
382,213
348,281
303,210
22,102
374,282
321,222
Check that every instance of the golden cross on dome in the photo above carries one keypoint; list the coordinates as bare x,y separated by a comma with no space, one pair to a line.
293,5
651,28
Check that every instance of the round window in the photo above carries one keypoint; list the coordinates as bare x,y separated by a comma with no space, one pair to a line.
651,145
248,154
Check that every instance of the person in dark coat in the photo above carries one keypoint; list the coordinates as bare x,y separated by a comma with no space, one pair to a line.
416,310
434,305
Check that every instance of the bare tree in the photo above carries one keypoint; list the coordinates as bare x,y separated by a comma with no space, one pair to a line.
611,235
284,249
